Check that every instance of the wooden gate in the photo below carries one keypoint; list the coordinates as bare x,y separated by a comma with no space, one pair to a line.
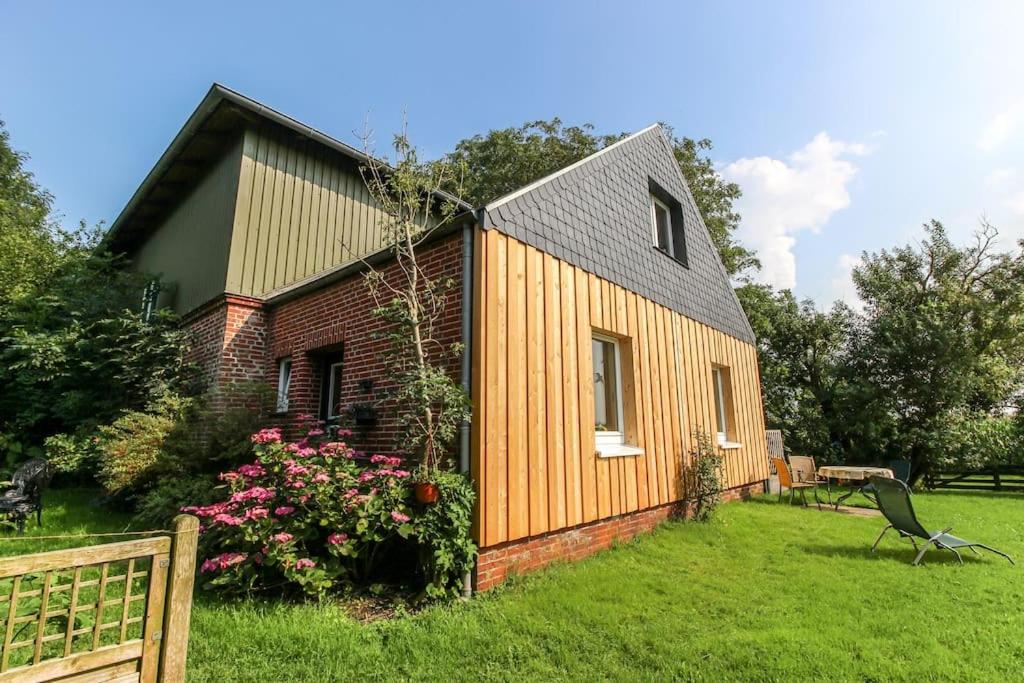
112,612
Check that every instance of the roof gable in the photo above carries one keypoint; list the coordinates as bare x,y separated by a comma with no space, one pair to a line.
596,215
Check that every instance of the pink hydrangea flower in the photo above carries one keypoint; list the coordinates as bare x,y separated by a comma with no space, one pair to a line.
321,478
257,513
222,561
282,537
304,563
399,517
291,448
315,432
228,520
337,539
254,470
256,493
389,460
366,476
284,510
298,484
306,452
227,476
264,436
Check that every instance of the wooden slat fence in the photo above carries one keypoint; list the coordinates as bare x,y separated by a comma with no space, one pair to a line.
110,612
1001,478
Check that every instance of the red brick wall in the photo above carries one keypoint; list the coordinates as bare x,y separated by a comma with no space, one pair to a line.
496,563
340,314
228,343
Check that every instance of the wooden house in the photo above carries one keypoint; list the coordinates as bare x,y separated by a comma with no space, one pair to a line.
601,329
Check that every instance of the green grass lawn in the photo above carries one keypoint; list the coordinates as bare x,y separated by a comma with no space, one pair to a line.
766,592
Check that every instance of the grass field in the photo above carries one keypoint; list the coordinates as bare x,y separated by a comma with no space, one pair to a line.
765,592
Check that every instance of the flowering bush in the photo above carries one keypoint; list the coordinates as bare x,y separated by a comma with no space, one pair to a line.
315,515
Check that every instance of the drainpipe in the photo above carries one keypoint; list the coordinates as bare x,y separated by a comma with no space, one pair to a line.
467,368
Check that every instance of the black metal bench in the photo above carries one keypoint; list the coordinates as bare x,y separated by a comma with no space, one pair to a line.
26,493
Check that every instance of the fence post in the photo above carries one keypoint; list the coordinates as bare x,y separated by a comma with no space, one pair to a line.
178,609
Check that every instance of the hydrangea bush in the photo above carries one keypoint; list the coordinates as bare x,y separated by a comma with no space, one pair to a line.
314,514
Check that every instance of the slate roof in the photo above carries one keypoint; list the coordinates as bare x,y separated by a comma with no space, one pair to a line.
595,214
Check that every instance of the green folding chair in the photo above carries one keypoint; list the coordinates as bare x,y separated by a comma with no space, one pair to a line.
894,502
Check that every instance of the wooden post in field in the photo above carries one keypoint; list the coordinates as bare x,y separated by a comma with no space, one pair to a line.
178,608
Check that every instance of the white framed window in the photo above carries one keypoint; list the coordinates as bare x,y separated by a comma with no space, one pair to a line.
661,225
150,294
608,420
723,407
284,380
333,388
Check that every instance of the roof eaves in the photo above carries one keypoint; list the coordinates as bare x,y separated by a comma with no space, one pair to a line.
217,94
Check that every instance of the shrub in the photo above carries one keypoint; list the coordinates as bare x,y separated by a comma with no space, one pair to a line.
707,477
75,456
155,508
976,440
314,516
134,447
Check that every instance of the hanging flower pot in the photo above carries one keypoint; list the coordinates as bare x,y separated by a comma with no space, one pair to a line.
426,492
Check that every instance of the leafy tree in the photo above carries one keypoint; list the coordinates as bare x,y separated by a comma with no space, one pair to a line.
505,160
430,402
74,349
29,251
941,332
801,352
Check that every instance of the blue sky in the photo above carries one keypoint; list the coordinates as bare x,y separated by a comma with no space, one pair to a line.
848,124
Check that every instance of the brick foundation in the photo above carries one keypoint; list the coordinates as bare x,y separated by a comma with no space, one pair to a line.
498,562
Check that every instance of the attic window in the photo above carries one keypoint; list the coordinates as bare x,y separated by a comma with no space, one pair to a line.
661,219
667,224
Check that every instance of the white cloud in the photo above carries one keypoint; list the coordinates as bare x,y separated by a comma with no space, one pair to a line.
843,288
1002,127
783,197
1000,177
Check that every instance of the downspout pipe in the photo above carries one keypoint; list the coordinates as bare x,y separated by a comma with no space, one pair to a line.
467,353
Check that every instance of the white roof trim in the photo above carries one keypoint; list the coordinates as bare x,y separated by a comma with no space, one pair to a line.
548,178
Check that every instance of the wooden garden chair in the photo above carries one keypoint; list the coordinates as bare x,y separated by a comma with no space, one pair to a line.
805,470
786,480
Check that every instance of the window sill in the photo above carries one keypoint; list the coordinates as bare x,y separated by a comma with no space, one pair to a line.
729,445
664,252
618,451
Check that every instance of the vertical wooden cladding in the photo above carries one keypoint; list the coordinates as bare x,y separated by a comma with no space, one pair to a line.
533,451
301,209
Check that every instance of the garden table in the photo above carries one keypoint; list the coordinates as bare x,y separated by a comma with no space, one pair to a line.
857,478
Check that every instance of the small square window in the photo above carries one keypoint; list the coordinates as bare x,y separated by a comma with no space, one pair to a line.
284,380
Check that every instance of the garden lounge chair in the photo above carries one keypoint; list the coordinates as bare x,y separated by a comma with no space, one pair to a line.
786,480
894,502
26,493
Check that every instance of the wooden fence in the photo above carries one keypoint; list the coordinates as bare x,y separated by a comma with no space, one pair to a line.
112,612
1002,478
775,447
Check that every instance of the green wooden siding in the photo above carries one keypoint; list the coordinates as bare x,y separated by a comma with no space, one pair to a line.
189,249
301,209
